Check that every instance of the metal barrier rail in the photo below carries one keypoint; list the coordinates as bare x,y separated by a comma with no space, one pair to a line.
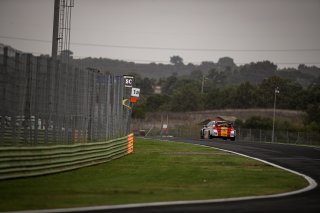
18,162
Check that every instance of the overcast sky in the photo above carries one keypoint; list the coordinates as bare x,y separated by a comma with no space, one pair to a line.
282,31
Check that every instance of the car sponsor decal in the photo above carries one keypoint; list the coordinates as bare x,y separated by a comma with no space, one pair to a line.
224,131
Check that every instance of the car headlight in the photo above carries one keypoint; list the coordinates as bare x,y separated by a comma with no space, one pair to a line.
215,132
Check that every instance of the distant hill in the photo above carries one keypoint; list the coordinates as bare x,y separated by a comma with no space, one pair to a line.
252,72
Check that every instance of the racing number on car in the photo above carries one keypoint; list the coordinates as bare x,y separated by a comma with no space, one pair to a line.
224,132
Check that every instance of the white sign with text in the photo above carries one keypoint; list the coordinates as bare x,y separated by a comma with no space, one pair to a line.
135,92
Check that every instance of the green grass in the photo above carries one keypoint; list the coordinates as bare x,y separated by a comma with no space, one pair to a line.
156,171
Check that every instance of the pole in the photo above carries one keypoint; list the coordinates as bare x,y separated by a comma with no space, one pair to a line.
55,34
274,112
202,84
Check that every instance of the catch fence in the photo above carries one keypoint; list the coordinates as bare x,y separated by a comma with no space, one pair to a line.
44,101
243,134
280,136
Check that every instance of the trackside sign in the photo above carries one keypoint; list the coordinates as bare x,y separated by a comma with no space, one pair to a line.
135,92
128,80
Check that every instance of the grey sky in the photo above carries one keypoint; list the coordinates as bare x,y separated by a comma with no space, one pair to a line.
196,30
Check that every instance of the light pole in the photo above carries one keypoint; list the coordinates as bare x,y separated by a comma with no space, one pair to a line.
202,84
55,34
276,91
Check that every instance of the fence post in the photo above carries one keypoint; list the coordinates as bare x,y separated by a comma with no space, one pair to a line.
27,105
260,140
91,106
3,105
13,116
37,99
48,99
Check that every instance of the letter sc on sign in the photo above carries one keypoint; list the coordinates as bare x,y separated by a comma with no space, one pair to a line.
128,80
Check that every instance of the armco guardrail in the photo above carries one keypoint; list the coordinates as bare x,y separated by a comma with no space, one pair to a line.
18,162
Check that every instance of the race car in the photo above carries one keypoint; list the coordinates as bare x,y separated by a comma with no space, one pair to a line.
218,129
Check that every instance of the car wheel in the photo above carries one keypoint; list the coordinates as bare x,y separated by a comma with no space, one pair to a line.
201,134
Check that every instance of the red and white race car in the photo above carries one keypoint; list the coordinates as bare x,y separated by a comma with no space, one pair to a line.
218,129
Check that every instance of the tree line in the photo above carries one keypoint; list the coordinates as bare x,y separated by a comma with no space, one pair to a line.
224,84
252,72
206,91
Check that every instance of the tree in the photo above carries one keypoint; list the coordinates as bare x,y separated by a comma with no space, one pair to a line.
186,96
245,96
145,84
226,64
220,98
215,79
169,84
254,72
196,75
257,122
138,111
176,60
313,104
310,70
266,91
156,102
291,94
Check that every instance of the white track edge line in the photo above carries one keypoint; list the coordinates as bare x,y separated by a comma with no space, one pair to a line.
312,184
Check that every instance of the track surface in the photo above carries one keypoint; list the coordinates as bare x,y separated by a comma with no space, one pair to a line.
305,160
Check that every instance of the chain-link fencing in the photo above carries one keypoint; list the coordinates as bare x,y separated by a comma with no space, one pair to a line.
246,135
280,136
44,101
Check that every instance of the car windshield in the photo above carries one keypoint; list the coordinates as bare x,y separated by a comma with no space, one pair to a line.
211,123
224,124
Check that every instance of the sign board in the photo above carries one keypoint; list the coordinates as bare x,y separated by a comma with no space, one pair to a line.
135,92
133,99
128,80
125,103
165,128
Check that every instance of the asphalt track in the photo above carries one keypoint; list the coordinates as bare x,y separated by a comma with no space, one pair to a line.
305,160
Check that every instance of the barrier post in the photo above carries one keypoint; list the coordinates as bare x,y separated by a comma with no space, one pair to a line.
130,143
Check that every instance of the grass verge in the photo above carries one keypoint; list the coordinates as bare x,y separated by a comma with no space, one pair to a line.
156,171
